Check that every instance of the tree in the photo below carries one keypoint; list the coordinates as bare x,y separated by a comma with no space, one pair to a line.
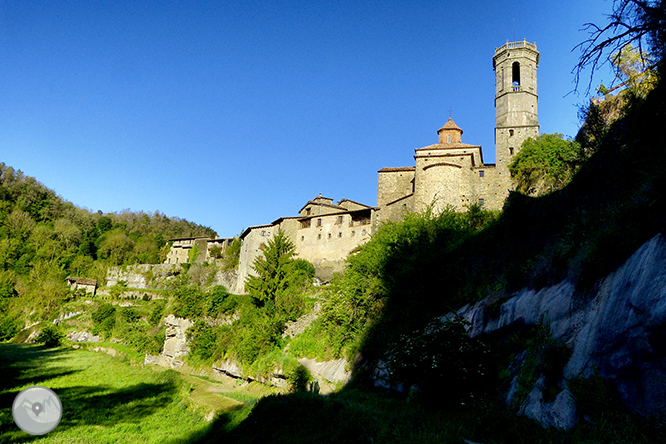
272,270
640,23
545,164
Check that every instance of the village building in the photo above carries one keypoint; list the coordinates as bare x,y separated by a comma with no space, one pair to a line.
179,253
76,283
323,233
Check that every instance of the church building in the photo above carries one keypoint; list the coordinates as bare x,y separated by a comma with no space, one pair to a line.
453,174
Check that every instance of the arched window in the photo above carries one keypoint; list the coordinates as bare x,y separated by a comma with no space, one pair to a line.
515,74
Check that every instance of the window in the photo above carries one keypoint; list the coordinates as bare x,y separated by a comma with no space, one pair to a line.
319,222
306,223
340,219
340,234
302,238
329,235
307,211
511,150
364,232
515,74
481,202
353,233
482,173
448,139
510,133
319,236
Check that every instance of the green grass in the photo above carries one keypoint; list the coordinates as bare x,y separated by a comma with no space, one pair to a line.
104,399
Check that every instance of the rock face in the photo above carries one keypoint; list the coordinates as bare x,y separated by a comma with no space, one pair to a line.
157,276
175,344
619,332
82,336
334,371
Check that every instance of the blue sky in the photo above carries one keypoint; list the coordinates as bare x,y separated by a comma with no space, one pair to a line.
232,114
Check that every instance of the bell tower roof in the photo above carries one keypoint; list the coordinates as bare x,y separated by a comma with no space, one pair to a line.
450,132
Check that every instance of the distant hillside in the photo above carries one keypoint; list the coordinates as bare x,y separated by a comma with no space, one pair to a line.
44,238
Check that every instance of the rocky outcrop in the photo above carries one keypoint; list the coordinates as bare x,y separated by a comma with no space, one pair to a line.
295,328
143,276
175,344
618,332
83,336
329,373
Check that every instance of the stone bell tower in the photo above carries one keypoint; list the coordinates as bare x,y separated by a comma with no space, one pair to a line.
515,65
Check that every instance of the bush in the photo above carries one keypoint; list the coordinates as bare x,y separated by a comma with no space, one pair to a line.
128,314
9,326
217,301
157,311
447,366
188,302
103,312
50,336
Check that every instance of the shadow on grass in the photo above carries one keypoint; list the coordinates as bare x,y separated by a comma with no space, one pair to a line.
97,405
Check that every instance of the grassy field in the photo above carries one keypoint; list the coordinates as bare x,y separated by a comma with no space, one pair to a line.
105,399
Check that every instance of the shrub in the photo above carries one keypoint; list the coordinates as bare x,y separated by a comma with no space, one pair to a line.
103,312
50,336
157,311
9,326
446,365
128,314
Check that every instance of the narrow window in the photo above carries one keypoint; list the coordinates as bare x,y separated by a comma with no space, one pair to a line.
481,202
319,222
510,133
339,219
340,234
302,238
448,139
511,150
482,173
319,236
329,235
353,233
515,74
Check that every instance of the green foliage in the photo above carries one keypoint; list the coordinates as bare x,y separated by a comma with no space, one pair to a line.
203,340
272,270
50,335
393,267
9,326
156,312
193,254
546,163
128,314
232,255
219,302
446,366
188,302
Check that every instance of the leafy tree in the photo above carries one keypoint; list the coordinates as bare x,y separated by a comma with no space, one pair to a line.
545,164
272,270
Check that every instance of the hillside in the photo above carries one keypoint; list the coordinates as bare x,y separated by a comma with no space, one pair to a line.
44,239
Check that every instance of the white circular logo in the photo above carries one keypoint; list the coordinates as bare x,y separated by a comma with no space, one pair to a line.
37,410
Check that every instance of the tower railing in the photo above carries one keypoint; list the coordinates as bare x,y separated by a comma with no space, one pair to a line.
511,45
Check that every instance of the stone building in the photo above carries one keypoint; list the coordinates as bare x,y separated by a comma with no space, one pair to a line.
181,247
323,233
453,173
76,283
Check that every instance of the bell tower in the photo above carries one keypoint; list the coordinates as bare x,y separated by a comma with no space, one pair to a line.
516,116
